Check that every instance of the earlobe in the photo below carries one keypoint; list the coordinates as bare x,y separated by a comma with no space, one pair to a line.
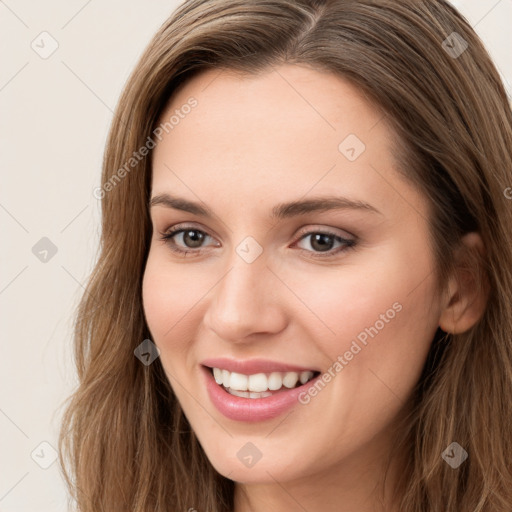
468,290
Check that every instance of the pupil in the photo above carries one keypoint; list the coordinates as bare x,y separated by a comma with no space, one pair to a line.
325,242
195,236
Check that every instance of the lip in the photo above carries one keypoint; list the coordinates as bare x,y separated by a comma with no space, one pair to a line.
252,409
252,366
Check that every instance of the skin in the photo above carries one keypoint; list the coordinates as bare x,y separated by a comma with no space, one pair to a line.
251,143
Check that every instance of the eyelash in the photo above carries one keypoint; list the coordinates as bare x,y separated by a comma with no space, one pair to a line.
168,236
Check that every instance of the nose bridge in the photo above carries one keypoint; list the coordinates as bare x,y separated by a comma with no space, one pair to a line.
240,284
241,303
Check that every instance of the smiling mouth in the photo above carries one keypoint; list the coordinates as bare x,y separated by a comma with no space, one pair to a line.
260,385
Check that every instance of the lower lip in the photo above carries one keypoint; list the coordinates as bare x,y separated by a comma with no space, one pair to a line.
252,409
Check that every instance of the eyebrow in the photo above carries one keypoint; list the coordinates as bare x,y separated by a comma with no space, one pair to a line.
280,211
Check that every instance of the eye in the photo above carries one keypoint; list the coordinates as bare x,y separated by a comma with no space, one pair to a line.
323,243
188,239
184,240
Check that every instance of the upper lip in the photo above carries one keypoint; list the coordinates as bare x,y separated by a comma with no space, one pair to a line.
253,366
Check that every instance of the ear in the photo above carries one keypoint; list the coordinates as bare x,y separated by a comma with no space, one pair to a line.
468,289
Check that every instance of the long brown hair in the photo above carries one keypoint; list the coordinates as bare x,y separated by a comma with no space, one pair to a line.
125,443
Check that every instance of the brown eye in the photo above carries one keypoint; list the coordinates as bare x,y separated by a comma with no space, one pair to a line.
192,238
185,239
324,242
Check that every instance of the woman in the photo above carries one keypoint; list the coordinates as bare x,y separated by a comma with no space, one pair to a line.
302,300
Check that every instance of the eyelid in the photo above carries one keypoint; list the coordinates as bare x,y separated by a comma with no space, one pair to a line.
327,230
346,243
303,231
191,226
177,229
168,235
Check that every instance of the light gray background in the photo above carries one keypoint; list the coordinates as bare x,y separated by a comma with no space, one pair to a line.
55,117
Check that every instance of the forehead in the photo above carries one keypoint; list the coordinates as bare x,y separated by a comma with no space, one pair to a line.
286,132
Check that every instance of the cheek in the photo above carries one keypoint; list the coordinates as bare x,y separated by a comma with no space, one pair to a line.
168,298
380,318
345,302
379,332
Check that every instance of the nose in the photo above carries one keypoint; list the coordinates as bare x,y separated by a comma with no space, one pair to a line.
247,300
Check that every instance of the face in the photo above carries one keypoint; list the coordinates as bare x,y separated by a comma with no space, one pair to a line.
294,250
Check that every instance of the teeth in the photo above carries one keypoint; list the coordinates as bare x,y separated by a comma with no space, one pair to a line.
217,373
275,381
238,381
305,376
290,379
249,394
259,383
